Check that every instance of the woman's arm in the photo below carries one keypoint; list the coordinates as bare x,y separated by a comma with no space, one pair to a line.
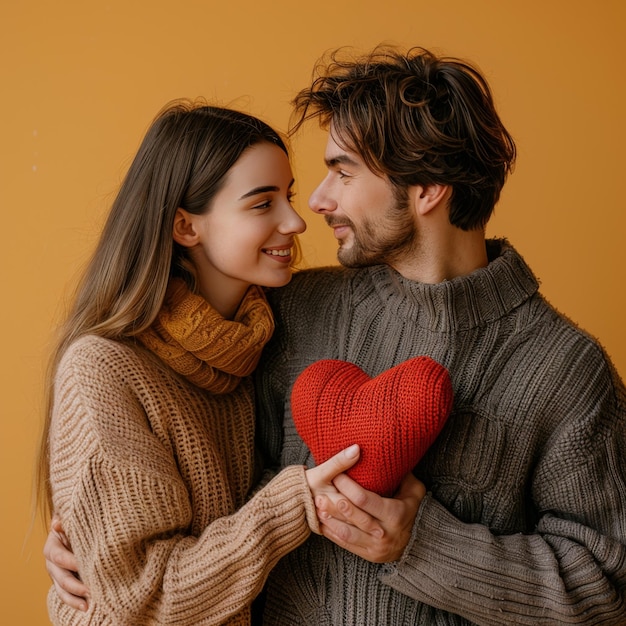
133,521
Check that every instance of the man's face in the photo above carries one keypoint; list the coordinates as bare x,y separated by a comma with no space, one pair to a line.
370,218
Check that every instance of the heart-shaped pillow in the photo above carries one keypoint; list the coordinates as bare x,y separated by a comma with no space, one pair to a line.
394,417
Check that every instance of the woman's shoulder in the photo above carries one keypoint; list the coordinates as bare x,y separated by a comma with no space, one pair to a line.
94,370
95,356
112,394
98,372
96,349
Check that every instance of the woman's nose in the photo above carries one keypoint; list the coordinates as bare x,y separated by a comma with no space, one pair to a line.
292,223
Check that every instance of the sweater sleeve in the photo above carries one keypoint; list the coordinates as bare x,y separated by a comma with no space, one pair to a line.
129,520
571,568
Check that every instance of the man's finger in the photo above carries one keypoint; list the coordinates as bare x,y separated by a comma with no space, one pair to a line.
57,553
340,508
344,535
411,487
71,590
74,601
363,499
352,539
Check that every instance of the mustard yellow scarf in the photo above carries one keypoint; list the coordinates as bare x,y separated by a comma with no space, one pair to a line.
197,342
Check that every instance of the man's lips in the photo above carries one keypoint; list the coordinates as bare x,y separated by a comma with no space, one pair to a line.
340,230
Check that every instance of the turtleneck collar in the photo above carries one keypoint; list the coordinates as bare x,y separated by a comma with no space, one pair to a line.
462,303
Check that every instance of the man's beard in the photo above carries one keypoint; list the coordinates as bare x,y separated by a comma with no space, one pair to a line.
384,241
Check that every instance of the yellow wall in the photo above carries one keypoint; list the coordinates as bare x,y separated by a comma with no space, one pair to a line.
82,79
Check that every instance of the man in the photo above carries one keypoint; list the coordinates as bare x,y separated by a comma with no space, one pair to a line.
524,517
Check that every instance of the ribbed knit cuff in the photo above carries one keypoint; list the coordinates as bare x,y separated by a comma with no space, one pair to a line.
292,481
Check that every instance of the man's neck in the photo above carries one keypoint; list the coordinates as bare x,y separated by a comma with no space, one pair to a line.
448,254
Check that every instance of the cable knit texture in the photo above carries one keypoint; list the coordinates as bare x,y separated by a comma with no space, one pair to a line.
394,417
192,338
526,518
151,474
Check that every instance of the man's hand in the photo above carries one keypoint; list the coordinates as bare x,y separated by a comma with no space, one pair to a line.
375,528
63,568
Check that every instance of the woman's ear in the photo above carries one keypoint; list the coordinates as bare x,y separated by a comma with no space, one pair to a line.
428,197
183,230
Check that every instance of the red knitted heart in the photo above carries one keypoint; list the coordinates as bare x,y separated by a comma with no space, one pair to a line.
394,417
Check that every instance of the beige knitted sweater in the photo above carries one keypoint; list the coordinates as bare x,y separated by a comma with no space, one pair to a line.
150,476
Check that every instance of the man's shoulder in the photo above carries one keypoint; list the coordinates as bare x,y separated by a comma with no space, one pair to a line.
567,348
329,274
312,284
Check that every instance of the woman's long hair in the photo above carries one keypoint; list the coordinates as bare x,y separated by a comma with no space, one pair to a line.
182,162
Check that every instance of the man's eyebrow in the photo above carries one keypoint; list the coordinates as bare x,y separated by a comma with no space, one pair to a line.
264,189
341,159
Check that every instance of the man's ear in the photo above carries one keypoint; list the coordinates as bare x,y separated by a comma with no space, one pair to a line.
428,197
184,231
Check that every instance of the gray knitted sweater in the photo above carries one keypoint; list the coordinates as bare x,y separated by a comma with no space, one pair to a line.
525,520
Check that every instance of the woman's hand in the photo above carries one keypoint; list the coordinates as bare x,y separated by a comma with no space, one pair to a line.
321,478
63,568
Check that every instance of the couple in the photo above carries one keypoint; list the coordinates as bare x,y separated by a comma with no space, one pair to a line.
518,516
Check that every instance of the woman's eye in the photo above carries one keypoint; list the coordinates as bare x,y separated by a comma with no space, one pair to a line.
263,205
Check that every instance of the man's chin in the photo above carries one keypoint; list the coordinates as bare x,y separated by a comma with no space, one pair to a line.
354,262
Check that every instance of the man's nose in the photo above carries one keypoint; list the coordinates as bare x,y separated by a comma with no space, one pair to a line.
321,200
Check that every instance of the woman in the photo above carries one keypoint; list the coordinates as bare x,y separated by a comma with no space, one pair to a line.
147,455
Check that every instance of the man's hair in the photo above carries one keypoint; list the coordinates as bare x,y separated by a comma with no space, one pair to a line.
417,118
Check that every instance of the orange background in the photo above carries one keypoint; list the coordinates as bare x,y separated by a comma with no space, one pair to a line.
81,81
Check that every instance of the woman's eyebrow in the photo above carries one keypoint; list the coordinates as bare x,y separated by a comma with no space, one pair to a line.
264,189
257,190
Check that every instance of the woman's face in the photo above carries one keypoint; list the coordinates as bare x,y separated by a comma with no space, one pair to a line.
247,235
